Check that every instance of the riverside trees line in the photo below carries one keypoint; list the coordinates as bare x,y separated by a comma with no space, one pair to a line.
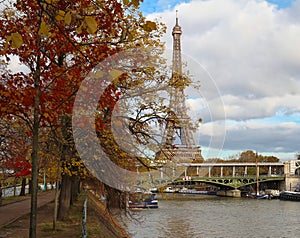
57,43
244,157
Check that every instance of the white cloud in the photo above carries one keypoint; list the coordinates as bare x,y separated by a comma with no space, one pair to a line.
250,49
241,108
16,66
241,43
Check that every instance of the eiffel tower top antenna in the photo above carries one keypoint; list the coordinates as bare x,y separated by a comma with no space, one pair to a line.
177,64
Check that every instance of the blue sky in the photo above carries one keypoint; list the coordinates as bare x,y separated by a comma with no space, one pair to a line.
281,3
248,49
150,6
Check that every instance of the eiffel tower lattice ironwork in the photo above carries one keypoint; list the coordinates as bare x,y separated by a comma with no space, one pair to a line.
178,141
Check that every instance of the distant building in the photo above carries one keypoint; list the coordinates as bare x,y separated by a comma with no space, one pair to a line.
292,167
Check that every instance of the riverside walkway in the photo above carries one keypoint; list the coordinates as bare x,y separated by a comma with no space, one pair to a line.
14,210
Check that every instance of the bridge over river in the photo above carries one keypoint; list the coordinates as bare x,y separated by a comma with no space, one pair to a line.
239,176
282,175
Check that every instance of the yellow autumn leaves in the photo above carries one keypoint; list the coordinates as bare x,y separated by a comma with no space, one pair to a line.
68,18
63,16
16,39
44,29
113,75
133,2
83,23
149,26
89,22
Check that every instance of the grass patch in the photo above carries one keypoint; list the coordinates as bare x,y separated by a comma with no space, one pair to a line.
47,227
14,198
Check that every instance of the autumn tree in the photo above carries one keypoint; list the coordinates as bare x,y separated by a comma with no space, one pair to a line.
248,156
59,42
14,151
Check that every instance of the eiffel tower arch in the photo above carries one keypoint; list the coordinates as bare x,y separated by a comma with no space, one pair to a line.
178,143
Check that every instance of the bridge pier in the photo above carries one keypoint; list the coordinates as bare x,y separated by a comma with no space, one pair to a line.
221,171
229,193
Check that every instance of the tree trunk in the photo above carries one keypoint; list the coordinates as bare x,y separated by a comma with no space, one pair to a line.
55,205
0,195
115,199
74,190
45,182
35,146
15,186
23,192
30,186
65,197
34,165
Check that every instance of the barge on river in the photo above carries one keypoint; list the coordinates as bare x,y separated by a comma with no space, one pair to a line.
290,196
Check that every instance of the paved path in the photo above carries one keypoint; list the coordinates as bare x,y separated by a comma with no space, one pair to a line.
13,211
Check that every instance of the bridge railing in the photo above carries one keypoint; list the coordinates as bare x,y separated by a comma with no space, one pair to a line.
190,177
236,176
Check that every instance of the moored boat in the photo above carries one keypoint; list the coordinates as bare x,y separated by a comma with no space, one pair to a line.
259,196
264,196
153,190
290,196
191,191
170,190
143,201
267,194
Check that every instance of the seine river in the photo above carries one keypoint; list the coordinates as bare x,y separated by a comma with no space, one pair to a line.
197,216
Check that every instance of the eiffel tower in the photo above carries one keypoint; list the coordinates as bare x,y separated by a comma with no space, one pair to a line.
178,143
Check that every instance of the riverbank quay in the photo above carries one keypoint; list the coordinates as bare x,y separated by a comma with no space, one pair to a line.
109,222
235,193
100,224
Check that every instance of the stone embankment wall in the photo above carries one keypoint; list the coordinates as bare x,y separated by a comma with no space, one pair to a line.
291,183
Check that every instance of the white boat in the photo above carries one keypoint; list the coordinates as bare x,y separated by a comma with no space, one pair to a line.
169,190
191,191
153,190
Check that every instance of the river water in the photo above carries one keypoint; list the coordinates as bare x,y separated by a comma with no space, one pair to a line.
197,216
